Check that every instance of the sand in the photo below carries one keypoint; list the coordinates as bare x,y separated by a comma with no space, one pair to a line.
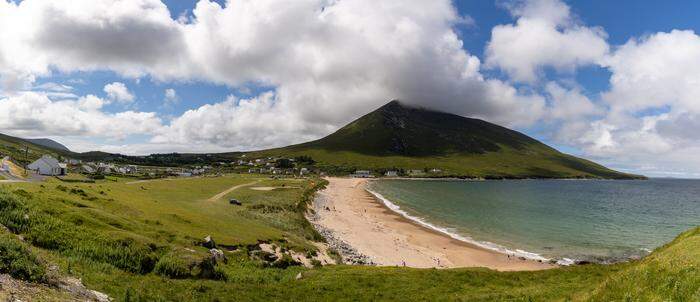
388,239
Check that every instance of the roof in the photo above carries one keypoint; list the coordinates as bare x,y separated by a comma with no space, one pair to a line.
49,161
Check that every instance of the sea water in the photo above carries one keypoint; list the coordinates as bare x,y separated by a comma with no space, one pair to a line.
584,220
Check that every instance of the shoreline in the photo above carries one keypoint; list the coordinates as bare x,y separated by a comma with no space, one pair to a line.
442,231
378,235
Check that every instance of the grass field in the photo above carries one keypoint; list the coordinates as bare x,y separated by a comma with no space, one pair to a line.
138,241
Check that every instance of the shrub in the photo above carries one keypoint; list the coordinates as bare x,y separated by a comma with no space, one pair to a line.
18,261
285,262
173,267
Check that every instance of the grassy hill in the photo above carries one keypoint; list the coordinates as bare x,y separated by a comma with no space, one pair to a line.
48,143
139,241
15,148
396,136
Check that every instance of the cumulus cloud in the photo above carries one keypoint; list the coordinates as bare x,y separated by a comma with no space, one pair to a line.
170,96
545,34
35,114
117,91
652,107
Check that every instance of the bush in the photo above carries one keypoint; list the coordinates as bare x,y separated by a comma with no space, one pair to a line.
285,262
18,261
173,267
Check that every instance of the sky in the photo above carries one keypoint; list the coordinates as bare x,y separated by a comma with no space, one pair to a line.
617,82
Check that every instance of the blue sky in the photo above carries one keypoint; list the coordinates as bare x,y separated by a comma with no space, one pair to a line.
247,75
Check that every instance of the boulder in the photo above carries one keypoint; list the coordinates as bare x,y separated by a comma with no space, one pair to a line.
217,256
208,242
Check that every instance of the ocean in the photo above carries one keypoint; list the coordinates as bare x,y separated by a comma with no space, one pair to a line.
564,220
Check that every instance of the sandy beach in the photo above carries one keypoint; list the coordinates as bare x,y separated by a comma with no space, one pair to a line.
357,218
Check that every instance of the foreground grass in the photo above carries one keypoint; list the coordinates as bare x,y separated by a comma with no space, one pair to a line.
139,242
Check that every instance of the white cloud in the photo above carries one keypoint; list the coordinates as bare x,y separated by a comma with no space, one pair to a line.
117,91
544,35
652,109
570,104
35,114
170,96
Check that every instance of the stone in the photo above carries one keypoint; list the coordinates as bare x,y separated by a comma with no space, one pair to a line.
209,242
218,256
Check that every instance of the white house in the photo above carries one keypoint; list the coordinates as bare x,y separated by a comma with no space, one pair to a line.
362,174
47,165
88,169
391,173
416,172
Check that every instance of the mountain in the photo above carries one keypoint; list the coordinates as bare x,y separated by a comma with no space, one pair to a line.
397,136
48,143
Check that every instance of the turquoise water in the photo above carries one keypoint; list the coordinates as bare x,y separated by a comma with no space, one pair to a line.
594,220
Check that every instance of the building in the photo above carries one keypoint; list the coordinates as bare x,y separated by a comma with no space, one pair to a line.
435,170
391,173
416,172
47,165
362,174
89,169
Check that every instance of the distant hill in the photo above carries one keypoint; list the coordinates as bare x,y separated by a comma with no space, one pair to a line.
24,151
48,143
397,136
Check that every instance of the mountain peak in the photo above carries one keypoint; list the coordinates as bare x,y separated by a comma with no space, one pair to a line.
397,135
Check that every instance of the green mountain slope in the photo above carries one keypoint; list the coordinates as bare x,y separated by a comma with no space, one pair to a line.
396,136
48,143
24,151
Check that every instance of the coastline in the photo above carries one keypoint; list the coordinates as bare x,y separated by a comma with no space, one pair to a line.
376,234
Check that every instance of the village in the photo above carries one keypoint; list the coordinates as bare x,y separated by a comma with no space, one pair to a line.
75,169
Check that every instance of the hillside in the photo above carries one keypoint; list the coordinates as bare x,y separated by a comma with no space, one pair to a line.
23,151
48,143
396,136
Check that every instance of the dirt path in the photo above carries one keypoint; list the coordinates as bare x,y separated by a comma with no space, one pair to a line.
231,189
8,176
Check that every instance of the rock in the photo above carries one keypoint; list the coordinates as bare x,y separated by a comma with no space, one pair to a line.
299,276
100,297
75,286
234,202
208,242
218,256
